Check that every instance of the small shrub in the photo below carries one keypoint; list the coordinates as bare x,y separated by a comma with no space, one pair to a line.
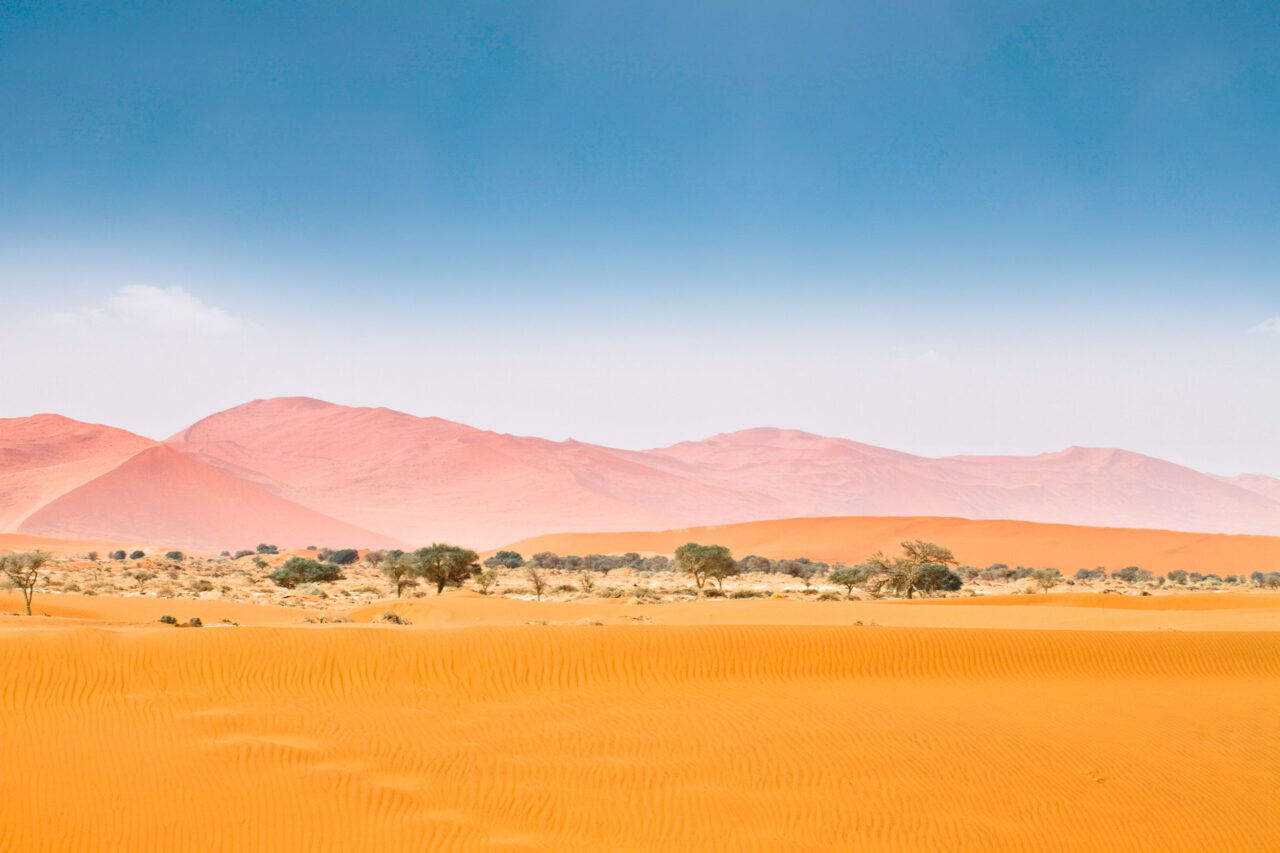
310,589
117,555
243,553
176,556
168,620
137,555
194,622
746,593
829,596
712,592
485,581
392,618
610,592
201,585
344,557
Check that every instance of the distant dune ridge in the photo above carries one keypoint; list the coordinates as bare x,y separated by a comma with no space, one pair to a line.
296,470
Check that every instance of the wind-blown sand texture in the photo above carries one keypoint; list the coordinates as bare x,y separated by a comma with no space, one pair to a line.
974,542
638,737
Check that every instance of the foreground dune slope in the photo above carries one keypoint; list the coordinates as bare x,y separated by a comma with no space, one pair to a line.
974,542
636,738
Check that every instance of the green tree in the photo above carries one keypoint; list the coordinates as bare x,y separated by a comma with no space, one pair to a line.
23,571
300,570
922,568
399,570
705,561
442,564
850,576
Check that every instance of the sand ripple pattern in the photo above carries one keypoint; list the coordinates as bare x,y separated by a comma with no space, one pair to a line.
637,738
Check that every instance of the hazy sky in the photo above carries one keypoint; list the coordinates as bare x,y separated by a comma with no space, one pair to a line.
940,227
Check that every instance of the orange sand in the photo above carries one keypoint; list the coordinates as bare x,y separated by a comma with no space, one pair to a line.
636,738
977,543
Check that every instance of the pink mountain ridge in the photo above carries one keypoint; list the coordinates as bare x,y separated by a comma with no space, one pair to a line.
295,471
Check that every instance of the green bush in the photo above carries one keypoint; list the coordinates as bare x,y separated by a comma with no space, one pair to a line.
505,560
344,557
137,555
168,620
299,570
176,556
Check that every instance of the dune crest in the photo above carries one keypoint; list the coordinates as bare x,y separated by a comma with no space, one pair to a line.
974,542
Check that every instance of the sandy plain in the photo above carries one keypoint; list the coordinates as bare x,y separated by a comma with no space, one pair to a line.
761,725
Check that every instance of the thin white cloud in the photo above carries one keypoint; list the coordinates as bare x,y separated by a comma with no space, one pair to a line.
1271,326
159,309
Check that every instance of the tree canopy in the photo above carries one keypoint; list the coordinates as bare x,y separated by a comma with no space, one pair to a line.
442,564
23,570
923,567
705,561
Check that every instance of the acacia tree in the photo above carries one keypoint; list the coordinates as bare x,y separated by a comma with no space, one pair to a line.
23,571
445,564
850,576
923,567
399,569
705,561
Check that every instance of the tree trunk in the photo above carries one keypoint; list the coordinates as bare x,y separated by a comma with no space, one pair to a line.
440,586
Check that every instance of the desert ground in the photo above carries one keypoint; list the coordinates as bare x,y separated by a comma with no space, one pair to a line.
1088,717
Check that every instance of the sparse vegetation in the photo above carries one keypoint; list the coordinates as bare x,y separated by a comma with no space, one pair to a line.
537,581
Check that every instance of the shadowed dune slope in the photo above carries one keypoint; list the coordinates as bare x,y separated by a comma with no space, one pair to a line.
636,739
160,495
974,542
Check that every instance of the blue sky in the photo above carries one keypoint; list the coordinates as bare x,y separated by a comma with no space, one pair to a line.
636,223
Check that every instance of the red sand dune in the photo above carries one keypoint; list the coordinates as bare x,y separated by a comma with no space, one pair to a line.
424,478
162,495
417,480
974,542
45,456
